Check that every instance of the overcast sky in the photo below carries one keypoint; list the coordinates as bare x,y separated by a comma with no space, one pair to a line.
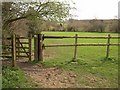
91,9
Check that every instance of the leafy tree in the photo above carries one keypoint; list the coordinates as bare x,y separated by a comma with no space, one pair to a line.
34,12
97,25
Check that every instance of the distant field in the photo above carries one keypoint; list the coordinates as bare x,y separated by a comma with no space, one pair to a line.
92,69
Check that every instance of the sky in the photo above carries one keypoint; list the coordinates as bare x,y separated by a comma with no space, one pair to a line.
91,9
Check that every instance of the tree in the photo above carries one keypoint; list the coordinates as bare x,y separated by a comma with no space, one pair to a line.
96,25
114,26
33,11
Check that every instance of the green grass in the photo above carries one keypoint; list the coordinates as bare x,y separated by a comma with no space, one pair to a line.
14,77
92,69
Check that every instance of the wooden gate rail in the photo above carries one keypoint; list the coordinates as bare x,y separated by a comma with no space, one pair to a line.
24,48
9,38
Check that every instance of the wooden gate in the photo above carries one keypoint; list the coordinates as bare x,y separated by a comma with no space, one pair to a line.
19,47
24,47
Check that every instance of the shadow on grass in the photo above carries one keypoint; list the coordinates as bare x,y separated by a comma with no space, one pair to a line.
109,60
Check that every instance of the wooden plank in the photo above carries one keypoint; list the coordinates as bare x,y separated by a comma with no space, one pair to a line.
40,48
60,45
22,37
23,42
23,47
22,52
7,46
6,56
17,49
30,47
22,56
13,50
36,48
17,38
6,52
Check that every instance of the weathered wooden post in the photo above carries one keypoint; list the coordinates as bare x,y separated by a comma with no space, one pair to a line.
108,46
40,47
75,51
35,47
17,45
13,50
30,47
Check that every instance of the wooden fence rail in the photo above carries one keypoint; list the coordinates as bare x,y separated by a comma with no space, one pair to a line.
108,44
87,37
82,44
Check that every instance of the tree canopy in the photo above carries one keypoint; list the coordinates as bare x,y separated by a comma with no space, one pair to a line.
51,10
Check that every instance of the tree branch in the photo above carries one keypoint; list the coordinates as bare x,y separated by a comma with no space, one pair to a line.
5,24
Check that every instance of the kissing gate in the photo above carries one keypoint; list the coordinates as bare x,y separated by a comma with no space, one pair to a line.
22,46
17,47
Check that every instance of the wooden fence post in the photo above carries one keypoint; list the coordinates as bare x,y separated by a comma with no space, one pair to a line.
108,46
30,47
35,47
75,51
40,47
13,50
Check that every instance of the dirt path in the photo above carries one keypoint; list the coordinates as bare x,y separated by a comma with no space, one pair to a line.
49,77
57,78
54,77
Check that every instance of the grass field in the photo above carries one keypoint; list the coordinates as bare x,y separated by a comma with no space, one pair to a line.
92,69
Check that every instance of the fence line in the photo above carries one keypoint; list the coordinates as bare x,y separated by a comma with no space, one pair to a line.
17,47
108,44
82,44
89,37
